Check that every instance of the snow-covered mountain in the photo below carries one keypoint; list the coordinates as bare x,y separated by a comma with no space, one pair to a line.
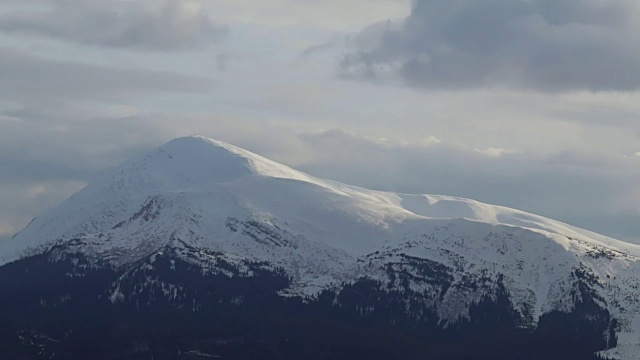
229,212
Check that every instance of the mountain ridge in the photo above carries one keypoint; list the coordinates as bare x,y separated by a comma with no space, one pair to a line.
224,210
249,164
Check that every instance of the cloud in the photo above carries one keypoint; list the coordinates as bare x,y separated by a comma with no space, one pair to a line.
62,122
28,78
46,156
160,26
546,45
595,191
30,198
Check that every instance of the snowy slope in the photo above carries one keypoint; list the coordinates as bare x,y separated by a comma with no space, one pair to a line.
202,194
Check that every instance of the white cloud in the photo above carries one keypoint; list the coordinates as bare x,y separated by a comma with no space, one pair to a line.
584,189
23,201
431,140
493,151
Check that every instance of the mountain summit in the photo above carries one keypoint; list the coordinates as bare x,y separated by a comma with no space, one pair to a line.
198,226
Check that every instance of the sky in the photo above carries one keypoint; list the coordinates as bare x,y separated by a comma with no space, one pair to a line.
530,104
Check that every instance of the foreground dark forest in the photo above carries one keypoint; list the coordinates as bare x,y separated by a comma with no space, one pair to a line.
50,311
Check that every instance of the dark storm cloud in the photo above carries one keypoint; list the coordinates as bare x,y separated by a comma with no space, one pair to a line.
548,45
167,25
28,78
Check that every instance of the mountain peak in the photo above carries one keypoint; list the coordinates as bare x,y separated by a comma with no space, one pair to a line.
217,161
199,160
188,163
202,145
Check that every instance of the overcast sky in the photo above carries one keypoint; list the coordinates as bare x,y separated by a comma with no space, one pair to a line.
531,104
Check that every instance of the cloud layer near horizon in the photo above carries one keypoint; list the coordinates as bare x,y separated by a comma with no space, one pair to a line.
594,191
